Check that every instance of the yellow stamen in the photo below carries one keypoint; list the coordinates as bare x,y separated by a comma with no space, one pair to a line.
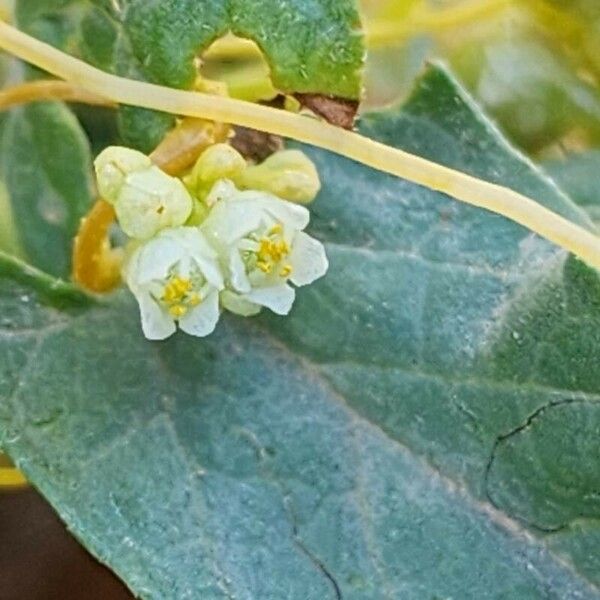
264,266
277,228
286,271
177,311
281,250
195,299
265,245
264,252
182,285
176,289
169,293
272,251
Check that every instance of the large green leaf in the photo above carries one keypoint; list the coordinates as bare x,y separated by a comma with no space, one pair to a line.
424,425
579,175
311,45
45,184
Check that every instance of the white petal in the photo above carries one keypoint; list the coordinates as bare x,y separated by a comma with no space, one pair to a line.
156,323
237,272
221,190
180,246
210,269
137,212
198,249
307,259
189,237
180,203
130,266
291,215
278,298
202,320
231,220
238,305
156,257
248,244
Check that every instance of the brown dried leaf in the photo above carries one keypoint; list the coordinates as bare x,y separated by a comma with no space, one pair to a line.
337,111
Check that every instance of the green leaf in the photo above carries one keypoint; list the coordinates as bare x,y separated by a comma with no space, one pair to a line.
579,175
9,242
311,46
424,425
45,170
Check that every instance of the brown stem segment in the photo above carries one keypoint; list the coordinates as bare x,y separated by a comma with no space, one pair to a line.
182,145
96,265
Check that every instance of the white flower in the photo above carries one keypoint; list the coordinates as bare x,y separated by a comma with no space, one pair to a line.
146,199
262,246
175,278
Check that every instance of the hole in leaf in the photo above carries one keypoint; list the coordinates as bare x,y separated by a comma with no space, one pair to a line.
240,64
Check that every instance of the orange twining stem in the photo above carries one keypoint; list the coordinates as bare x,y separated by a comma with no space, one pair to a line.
96,265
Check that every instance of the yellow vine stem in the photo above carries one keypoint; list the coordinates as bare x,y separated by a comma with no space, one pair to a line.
379,156
11,478
34,91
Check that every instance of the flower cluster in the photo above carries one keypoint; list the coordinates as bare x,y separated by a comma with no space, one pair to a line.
228,236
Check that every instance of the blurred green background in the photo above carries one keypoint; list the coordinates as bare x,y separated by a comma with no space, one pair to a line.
533,64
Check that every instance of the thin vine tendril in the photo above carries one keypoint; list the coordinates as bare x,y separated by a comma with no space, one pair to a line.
35,91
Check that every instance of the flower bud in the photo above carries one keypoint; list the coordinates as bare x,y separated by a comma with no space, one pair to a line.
219,161
289,174
149,201
145,198
112,167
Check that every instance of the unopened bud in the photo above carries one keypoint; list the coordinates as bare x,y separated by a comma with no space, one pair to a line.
112,167
145,198
219,161
289,174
